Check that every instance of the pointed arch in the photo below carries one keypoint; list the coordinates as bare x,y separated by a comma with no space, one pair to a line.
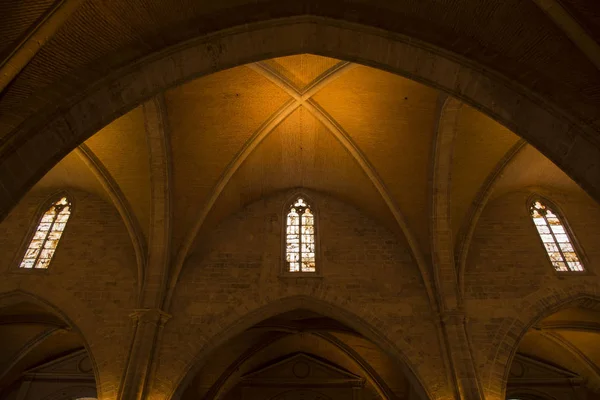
50,226
512,330
555,235
346,141
59,309
366,327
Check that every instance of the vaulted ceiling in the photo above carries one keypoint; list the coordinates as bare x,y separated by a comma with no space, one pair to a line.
568,339
360,134
31,335
85,40
297,332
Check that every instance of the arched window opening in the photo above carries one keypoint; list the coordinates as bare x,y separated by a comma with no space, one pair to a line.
43,245
300,238
555,238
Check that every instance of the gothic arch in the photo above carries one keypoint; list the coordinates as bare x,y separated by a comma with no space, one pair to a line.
563,138
17,296
283,305
511,332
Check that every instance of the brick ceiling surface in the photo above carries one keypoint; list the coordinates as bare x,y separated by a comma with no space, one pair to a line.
512,37
586,12
16,18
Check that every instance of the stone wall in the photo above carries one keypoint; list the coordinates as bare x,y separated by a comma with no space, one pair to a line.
91,280
232,280
366,271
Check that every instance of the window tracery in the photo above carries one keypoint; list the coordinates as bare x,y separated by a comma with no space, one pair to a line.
48,232
300,238
556,240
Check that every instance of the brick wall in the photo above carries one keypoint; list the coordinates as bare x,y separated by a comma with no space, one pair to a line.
91,279
367,272
231,281
510,283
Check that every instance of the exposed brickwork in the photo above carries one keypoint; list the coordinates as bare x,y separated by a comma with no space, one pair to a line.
91,279
231,282
510,284
366,272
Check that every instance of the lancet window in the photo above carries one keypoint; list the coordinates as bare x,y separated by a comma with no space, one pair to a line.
48,232
300,245
555,237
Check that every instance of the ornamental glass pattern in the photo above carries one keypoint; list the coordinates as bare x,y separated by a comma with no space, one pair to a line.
47,234
300,238
555,238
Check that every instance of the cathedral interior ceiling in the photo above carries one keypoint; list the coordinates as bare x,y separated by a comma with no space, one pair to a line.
359,134
236,136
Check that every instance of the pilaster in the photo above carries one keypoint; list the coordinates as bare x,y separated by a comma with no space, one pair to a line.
148,324
459,349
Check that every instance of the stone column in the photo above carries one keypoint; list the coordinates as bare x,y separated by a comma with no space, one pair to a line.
148,324
459,349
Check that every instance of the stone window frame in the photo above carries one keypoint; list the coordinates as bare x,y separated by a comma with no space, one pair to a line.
33,225
283,270
572,237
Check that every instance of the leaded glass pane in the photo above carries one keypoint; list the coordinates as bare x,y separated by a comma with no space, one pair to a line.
555,238
300,238
539,221
560,266
43,245
551,247
543,229
44,226
575,266
555,256
32,253
36,244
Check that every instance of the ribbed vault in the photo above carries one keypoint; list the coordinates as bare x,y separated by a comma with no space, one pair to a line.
401,152
362,135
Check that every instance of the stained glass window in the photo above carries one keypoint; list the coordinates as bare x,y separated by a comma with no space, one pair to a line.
555,238
47,234
300,238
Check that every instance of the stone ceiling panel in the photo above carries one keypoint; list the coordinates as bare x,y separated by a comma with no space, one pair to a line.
391,120
586,343
302,69
71,172
122,147
535,344
529,168
301,152
479,144
54,346
210,120
13,337
382,363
